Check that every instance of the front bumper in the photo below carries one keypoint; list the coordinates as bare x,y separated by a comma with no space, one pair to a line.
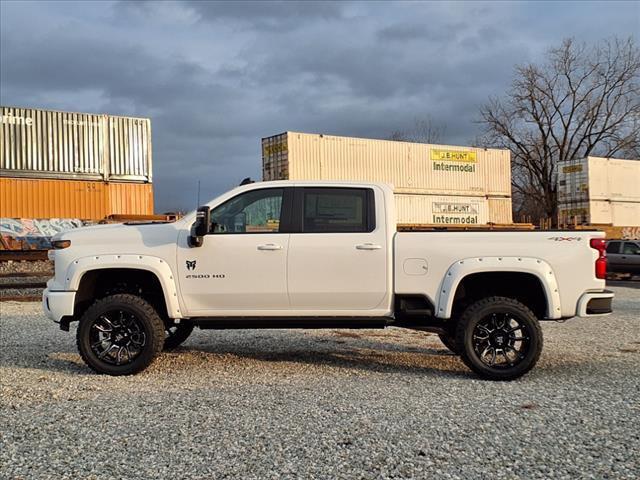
592,304
57,305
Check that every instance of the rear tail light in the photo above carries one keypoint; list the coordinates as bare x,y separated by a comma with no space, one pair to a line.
601,263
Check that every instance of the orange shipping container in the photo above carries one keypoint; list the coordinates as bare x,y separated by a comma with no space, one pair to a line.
85,200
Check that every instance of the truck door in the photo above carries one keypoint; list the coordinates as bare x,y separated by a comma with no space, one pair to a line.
241,268
338,251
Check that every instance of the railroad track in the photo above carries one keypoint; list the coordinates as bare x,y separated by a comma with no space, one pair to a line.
23,286
18,255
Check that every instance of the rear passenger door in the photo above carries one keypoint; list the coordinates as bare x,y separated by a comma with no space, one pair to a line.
338,252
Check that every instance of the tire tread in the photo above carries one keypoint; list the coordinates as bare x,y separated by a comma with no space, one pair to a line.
472,311
157,329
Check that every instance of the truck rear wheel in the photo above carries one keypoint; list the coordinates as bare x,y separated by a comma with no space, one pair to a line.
120,335
499,338
176,334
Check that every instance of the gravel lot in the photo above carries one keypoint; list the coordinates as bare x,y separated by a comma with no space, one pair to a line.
322,404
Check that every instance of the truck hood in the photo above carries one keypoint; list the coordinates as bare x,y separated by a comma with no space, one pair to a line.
121,238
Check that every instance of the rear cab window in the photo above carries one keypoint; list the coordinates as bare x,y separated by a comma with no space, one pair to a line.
336,210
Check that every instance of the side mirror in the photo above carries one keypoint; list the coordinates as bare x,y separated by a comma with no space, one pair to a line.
200,227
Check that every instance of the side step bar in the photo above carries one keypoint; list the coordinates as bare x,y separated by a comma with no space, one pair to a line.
240,323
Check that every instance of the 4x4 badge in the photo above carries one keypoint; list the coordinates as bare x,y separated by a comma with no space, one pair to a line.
191,264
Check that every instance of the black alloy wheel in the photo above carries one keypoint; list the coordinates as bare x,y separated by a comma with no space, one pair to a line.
499,338
117,337
120,334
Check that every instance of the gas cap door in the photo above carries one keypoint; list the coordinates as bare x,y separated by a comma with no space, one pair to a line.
415,266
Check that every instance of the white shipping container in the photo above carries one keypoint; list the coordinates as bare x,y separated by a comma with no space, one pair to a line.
598,178
617,214
451,210
38,143
413,168
433,209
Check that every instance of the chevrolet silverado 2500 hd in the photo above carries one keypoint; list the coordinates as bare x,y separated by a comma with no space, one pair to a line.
319,255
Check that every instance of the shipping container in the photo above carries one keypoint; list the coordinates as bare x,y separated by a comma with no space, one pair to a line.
598,178
77,199
451,210
412,168
38,143
601,212
597,190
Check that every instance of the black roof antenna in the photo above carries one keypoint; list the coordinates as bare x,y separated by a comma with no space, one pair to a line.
246,181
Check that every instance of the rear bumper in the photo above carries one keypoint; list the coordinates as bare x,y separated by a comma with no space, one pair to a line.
57,305
595,303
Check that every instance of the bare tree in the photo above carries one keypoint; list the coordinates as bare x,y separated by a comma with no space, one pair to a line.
423,131
581,101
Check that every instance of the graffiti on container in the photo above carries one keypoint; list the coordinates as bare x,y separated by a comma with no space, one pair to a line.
26,233
631,233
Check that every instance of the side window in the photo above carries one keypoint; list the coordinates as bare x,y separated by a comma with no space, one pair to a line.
613,247
337,210
257,211
631,248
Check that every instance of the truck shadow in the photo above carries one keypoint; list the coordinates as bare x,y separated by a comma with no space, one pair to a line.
340,350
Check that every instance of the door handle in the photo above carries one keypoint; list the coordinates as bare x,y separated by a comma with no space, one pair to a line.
270,246
368,246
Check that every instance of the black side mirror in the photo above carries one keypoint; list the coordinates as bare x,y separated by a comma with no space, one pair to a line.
200,227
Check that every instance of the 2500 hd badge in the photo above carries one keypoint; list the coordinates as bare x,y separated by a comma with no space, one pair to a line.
191,265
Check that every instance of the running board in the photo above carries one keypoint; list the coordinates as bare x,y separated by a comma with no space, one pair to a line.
242,323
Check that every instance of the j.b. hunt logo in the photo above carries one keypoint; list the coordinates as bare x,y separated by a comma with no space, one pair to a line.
191,266
455,213
453,160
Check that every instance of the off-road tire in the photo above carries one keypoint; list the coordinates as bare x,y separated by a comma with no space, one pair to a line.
449,341
478,311
149,319
178,335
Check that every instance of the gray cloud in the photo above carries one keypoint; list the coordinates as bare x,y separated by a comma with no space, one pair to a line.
215,77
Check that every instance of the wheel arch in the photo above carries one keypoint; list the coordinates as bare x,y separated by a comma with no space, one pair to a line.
84,274
530,280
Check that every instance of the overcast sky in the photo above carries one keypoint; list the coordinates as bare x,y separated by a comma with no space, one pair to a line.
216,77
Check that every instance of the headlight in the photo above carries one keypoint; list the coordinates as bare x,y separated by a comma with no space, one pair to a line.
60,244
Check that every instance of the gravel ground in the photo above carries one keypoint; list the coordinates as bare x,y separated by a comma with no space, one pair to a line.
322,404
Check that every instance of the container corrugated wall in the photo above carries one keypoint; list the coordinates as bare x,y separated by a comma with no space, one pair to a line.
500,210
597,190
50,144
410,167
86,200
434,209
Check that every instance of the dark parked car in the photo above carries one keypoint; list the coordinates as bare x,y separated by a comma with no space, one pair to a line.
623,256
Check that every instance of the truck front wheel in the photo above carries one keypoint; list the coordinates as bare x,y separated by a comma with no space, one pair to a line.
499,338
120,334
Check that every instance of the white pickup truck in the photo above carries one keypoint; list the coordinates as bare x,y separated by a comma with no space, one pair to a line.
319,255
